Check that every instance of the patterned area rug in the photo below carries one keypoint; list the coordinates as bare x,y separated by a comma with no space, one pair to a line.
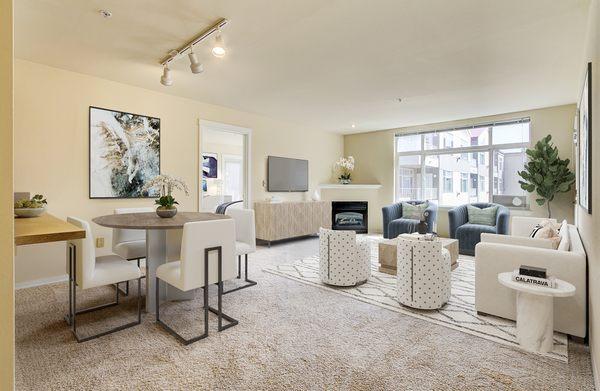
459,313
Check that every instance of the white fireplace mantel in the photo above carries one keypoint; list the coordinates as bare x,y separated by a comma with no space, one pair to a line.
351,186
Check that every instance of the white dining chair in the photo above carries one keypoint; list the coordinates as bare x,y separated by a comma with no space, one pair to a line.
130,243
87,271
245,241
207,257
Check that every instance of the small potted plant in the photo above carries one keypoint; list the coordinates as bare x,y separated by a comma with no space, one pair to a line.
31,208
166,184
345,165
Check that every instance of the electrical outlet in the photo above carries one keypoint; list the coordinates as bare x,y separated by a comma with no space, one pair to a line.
99,242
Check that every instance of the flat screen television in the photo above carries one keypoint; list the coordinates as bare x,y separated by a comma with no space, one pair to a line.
286,175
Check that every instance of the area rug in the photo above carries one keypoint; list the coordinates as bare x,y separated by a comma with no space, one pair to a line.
459,313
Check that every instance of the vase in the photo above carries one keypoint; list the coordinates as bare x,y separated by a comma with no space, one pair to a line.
163,212
422,227
345,181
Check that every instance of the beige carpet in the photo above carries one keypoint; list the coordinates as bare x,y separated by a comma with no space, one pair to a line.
459,313
291,336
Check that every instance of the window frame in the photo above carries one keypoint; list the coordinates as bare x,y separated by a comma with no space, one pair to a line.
490,148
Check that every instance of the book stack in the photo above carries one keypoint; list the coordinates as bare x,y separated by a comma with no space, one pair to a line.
534,276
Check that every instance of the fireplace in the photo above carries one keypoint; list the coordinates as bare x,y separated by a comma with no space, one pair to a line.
350,215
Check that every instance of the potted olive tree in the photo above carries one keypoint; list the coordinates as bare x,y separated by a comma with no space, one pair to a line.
166,184
546,173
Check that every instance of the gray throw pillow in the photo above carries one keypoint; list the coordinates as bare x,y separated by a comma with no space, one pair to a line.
414,212
482,216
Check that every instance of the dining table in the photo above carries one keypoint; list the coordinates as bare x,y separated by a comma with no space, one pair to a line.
163,244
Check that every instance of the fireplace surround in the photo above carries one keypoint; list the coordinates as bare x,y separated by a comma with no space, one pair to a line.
350,216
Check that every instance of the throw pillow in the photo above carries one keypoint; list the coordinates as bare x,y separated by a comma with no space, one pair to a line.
482,216
565,240
547,229
414,212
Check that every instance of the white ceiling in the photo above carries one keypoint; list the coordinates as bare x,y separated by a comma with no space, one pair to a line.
327,63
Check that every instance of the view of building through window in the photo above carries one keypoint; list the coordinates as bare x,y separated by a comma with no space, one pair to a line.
458,166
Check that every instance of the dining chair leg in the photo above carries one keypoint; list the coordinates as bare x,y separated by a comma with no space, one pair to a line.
239,267
71,318
219,311
249,282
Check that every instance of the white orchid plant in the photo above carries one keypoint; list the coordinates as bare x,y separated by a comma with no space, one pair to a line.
345,165
165,184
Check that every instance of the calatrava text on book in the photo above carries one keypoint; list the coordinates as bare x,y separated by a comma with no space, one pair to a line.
547,281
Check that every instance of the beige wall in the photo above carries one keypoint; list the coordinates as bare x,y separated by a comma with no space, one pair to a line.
589,225
7,317
51,148
374,154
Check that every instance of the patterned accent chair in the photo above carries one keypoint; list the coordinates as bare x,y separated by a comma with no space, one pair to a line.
342,260
423,279
394,224
469,235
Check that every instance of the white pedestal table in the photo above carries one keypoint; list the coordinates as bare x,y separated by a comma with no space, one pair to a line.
535,311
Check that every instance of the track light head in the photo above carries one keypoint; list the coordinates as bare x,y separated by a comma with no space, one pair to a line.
166,78
195,65
219,50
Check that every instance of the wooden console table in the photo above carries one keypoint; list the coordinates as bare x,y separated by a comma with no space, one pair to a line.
43,229
285,220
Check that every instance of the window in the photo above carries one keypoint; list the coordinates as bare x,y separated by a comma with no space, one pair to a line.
448,185
464,182
470,164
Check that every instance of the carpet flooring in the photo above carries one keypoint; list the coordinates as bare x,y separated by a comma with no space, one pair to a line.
291,336
459,313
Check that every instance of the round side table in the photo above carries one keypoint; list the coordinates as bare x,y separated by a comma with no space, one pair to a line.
535,311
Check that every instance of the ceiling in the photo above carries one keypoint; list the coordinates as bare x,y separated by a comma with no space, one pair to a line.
327,64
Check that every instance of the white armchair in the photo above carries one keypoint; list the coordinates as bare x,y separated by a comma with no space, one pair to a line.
503,253
342,260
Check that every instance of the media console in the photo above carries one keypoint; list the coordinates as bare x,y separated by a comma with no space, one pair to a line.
285,220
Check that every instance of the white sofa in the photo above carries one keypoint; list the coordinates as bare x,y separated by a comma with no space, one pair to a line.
502,253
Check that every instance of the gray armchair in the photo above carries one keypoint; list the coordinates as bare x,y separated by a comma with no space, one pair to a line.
394,224
469,235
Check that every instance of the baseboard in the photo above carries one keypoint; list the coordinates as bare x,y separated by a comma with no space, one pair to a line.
40,282
595,372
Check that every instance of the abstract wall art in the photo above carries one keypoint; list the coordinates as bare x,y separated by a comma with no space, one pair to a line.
209,165
124,153
584,144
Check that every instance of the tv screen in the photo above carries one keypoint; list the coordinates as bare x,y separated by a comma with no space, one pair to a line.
284,174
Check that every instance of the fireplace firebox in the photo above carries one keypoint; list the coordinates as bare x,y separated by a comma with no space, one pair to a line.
350,216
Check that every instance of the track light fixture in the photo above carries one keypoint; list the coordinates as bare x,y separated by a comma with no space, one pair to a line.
219,50
196,66
166,79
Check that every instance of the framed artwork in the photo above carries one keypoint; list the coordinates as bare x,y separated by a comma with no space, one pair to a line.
584,144
209,165
124,153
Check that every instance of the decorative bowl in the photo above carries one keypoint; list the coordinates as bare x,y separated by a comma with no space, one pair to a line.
166,213
29,212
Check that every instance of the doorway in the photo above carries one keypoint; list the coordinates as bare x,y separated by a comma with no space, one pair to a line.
224,165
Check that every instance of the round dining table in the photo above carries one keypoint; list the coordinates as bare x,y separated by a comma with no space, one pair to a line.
163,244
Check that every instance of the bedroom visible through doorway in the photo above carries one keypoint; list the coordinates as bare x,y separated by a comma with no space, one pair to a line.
224,165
